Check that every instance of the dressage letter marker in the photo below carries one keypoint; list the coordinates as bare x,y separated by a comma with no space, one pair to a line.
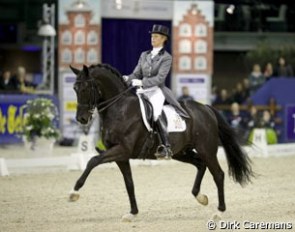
260,141
3,168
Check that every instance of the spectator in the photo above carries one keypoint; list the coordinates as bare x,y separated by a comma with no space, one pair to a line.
236,121
267,121
222,98
7,83
253,119
23,85
283,69
213,96
239,94
268,71
235,118
185,95
246,88
256,79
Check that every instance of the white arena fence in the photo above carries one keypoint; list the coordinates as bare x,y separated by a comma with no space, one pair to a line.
79,159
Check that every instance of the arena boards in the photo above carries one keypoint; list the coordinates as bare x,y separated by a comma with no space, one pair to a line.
78,160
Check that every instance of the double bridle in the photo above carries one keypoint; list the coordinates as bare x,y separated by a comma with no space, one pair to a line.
94,98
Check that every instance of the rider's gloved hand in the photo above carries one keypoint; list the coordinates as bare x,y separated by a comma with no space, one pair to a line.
136,83
125,78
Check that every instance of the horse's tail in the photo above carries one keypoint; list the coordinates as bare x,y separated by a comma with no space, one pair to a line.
238,160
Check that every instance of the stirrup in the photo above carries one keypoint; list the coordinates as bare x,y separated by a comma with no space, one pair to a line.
163,152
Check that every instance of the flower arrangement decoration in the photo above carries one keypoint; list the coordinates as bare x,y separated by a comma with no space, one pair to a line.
40,120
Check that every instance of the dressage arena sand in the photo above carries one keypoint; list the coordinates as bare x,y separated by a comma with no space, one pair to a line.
39,201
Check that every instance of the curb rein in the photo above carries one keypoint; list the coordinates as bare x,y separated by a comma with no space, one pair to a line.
103,105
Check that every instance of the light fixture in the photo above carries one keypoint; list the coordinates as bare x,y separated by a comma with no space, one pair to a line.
80,4
230,9
118,4
46,30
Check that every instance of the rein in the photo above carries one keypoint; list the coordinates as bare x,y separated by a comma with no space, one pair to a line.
111,101
103,105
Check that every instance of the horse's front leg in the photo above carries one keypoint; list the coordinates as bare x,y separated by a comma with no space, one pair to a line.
127,174
113,154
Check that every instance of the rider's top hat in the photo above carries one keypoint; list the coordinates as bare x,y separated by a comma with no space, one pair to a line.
160,29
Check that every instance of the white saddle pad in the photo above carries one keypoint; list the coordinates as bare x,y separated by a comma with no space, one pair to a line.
175,121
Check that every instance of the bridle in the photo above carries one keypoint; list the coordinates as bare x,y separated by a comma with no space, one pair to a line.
102,106
93,96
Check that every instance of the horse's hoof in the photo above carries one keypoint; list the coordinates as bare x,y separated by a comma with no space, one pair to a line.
74,196
128,217
202,199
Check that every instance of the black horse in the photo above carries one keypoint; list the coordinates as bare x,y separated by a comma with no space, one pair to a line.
125,135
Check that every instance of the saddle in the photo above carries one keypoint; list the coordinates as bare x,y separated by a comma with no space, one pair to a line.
172,119
175,123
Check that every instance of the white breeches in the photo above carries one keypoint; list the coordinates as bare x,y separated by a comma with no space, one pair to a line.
156,98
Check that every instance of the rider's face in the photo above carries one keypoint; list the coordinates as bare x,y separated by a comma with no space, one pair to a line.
158,40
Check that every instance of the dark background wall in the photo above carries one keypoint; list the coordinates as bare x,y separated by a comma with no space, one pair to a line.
19,24
229,69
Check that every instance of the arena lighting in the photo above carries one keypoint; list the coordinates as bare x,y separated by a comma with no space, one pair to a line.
194,11
118,4
80,4
46,30
230,9
48,33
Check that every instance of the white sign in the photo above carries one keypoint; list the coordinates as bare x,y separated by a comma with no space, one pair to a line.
68,105
198,85
137,9
86,144
260,140
3,168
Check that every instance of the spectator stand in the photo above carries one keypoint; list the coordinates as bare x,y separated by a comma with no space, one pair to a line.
278,97
274,109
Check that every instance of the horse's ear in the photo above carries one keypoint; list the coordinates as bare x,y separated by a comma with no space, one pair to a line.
85,69
76,71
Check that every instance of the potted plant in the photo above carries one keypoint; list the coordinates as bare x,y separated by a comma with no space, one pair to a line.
40,123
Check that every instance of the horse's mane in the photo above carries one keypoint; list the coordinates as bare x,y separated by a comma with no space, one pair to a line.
111,69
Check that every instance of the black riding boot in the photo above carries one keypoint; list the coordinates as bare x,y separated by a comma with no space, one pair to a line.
164,150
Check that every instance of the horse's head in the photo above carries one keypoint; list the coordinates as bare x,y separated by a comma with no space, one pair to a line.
87,95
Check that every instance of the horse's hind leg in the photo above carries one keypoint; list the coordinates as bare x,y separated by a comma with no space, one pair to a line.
127,174
194,159
218,176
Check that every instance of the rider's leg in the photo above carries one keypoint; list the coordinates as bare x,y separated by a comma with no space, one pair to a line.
165,150
157,99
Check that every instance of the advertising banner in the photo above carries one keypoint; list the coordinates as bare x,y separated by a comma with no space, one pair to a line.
290,122
11,122
196,84
12,116
69,105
